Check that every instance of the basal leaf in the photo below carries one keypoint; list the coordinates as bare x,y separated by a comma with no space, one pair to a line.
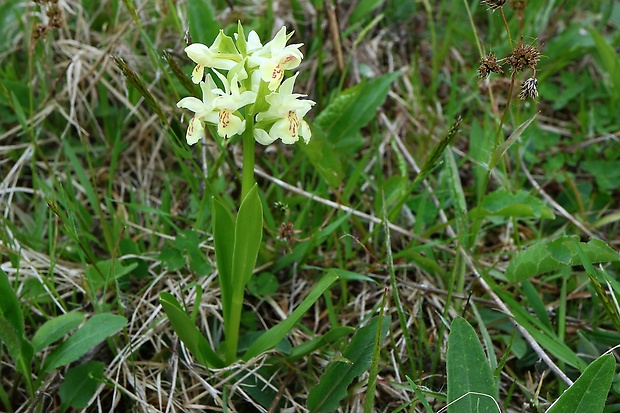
544,257
55,329
248,236
94,331
189,334
589,392
468,371
80,385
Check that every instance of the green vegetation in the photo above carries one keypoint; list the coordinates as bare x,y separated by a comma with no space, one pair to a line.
446,241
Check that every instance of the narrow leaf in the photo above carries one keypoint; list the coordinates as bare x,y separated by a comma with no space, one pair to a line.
275,334
468,371
589,392
509,142
189,334
434,159
94,331
332,388
55,329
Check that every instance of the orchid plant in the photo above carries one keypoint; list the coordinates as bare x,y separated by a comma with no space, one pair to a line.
257,103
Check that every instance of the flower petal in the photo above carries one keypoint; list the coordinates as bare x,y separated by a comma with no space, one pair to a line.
195,131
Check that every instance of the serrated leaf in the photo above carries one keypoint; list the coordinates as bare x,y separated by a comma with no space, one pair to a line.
544,257
468,371
55,329
589,392
94,331
356,359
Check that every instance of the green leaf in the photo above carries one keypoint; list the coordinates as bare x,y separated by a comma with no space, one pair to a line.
264,284
339,124
468,371
80,385
172,258
274,335
505,203
326,396
202,24
224,242
509,142
589,392
324,157
94,331
248,236
104,272
331,337
55,329
544,257
189,334
199,264
12,327
434,159
354,108
10,309
187,240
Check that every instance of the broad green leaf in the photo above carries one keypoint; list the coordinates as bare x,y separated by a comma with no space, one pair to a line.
172,258
189,334
10,309
12,327
589,392
356,359
94,331
339,125
55,329
544,257
224,242
505,203
202,24
264,284
80,385
275,334
468,371
324,157
354,108
248,236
